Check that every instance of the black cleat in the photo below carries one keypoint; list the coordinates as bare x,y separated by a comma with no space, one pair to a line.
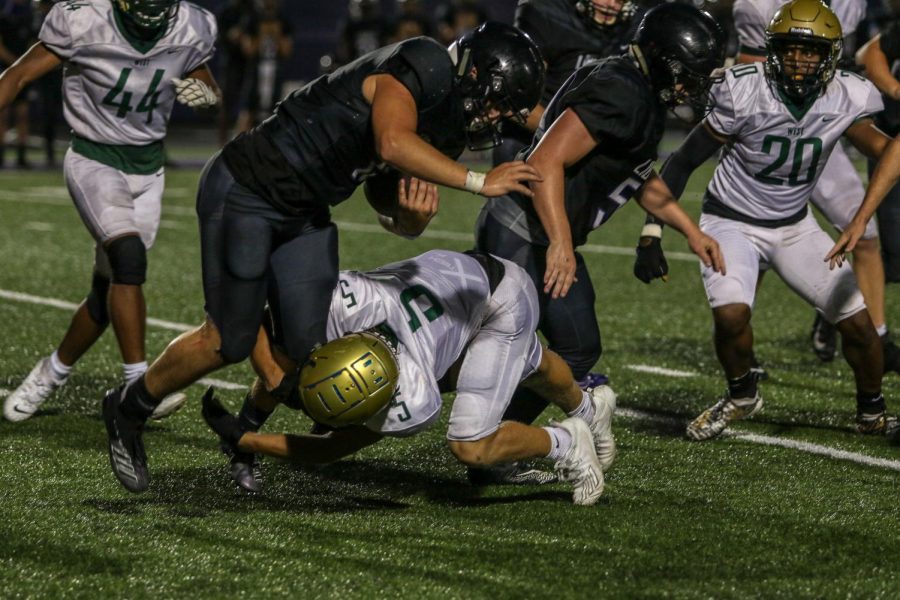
824,339
245,471
126,445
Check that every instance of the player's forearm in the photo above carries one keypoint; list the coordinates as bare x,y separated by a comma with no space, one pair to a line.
549,202
878,69
309,449
884,177
12,81
409,153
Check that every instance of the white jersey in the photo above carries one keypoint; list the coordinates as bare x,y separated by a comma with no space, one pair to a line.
751,17
434,304
116,90
777,153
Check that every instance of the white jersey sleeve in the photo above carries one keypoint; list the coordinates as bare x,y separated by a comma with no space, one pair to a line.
750,24
55,34
723,118
202,28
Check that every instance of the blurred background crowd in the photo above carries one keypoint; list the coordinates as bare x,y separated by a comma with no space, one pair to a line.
268,47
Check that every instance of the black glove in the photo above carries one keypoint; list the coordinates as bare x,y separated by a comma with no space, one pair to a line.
650,262
222,422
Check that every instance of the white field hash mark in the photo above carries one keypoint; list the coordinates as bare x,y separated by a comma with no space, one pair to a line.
767,440
661,371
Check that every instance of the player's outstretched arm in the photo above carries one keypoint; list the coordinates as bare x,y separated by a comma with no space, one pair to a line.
565,143
394,122
309,449
32,65
878,67
867,138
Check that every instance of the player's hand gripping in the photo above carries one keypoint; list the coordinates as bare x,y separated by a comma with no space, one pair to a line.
708,250
194,93
650,262
846,243
510,177
560,272
416,206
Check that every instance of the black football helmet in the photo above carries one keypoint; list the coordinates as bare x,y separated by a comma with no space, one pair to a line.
587,10
508,78
682,49
147,17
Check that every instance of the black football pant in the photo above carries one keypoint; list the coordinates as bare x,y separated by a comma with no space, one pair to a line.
568,324
253,254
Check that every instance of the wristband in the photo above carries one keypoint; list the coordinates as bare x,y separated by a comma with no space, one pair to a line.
652,230
474,182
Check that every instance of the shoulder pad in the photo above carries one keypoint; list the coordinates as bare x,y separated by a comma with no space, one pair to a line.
430,63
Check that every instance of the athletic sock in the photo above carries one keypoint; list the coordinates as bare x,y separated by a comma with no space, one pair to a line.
60,370
868,403
585,410
138,404
132,371
560,442
742,390
252,417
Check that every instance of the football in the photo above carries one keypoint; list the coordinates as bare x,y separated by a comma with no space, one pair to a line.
381,192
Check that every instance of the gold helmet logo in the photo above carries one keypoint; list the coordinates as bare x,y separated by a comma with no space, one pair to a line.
348,380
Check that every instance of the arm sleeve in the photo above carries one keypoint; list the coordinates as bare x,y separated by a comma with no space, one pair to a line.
750,27
207,32
55,33
693,152
606,106
890,42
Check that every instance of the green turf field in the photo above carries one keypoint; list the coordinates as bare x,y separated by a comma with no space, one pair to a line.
737,517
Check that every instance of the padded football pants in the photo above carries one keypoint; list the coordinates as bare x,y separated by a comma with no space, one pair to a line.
253,254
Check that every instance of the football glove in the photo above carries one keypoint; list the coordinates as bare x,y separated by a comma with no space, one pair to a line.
650,262
194,93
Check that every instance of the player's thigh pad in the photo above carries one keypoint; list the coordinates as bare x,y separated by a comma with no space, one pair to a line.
799,260
502,353
839,193
102,196
148,192
742,247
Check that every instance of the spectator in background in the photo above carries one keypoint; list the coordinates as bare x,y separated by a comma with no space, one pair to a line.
233,20
266,44
458,17
411,22
16,35
49,88
363,32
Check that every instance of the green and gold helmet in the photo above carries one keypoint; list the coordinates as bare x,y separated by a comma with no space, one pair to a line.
805,25
349,379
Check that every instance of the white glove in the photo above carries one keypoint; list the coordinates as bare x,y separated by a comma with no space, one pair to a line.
194,93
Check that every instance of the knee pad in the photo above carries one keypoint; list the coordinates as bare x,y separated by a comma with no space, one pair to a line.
128,259
96,299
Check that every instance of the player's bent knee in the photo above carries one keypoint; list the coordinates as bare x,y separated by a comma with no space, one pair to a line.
128,259
731,319
857,329
96,300
236,348
472,453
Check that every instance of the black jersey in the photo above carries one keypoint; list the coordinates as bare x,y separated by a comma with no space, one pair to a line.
568,41
318,146
618,107
888,120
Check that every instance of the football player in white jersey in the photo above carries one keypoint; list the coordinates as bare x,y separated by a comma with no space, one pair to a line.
125,63
468,317
839,190
779,121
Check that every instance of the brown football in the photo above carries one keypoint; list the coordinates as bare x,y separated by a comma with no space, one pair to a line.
381,192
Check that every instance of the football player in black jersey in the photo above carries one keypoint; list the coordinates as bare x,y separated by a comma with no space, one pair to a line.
264,202
595,149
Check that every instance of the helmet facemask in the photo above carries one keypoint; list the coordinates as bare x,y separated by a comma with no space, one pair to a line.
801,66
486,104
147,18
589,12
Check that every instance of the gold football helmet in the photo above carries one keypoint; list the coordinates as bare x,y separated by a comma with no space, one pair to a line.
349,379
799,29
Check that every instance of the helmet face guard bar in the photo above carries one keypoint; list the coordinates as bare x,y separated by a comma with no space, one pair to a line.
149,15
690,95
481,132
800,79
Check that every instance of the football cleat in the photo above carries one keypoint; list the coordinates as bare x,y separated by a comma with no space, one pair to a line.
592,380
245,471
604,399
126,445
580,465
32,392
877,424
713,421
169,406
824,339
509,474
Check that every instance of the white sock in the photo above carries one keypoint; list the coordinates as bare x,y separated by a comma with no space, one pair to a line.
133,371
560,442
586,409
882,330
60,370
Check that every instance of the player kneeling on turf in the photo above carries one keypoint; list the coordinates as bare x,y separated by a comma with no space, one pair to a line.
394,333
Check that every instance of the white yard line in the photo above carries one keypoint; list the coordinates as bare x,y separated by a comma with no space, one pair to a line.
807,447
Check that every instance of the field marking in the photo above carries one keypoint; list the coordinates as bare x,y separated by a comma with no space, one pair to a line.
807,447
768,440
38,226
661,371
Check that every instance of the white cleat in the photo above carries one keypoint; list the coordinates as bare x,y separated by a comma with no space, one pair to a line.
580,465
604,399
169,406
32,392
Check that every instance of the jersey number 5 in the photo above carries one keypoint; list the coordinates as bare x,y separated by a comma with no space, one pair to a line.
147,103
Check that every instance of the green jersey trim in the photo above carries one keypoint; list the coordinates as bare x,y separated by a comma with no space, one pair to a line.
797,111
133,160
142,46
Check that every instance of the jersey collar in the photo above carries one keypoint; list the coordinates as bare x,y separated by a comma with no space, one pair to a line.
142,46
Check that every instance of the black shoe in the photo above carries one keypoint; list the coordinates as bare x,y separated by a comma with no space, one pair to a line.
759,372
824,339
891,355
510,474
126,445
245,471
